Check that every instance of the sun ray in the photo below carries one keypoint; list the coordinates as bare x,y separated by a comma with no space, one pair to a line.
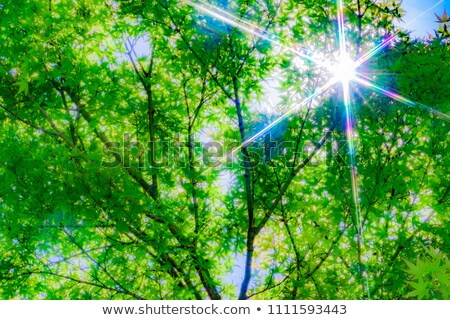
346,74
388,40
248,141
349,128
396,96
341,29
317,93
252,29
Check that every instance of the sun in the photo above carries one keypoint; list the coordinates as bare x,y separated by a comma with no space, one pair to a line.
344,69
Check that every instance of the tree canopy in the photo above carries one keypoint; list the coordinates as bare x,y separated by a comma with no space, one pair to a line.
170,149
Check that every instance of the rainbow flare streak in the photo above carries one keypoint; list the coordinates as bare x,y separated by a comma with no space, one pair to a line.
349,128
250,28
247,141
397,97
367,56
340,76
350,133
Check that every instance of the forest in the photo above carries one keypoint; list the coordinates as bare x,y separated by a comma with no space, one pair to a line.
245,149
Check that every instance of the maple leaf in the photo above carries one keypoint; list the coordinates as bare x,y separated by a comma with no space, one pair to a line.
444,19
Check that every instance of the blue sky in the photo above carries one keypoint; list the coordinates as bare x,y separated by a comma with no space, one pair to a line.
427,22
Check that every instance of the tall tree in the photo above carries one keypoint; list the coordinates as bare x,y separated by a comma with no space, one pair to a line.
148,147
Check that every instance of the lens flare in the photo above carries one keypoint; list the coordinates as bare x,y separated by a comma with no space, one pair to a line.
344,70
252,29
397,97
251,139
389,38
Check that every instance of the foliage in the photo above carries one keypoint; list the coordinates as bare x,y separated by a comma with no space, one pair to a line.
120,173
430,276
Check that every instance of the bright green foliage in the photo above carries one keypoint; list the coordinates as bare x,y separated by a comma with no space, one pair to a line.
431,276
109,189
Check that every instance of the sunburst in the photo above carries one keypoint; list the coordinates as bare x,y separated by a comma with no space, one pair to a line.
342,71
